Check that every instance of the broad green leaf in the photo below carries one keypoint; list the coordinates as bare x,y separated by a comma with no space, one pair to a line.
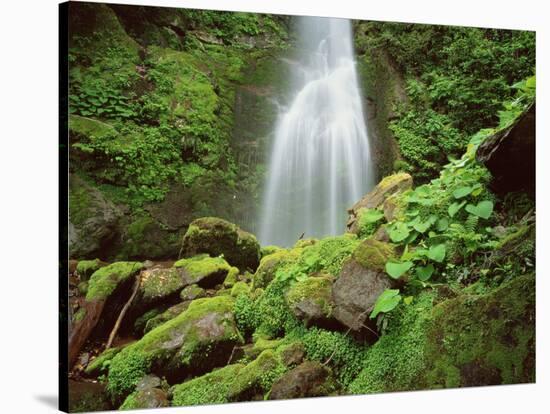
425,272
483,209
408,300
437,253
462,192
442,224
386,302
399,232
397,269
370,215
453,208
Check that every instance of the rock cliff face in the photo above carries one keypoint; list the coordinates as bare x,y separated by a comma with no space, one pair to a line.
160,131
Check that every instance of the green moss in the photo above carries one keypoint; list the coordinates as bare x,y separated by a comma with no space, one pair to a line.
105,280
83,288
100,364
267,250
484,340
305,242
141,321
329,254
177,345
79,315
373,254
240,288
160,283
316,289
211,388
245,315
270,264
231,278
165,316
368,221
397,361
90,129
192,292
257,377
202,266
85,268
346,356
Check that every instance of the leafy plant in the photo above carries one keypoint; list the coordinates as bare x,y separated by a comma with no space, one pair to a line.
386,302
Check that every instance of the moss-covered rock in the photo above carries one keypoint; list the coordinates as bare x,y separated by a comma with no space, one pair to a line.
309,379
373,254
203,270
146,398
192,292
311,299
86,268
157,284
469,340
105,280
88,397
219,237
236,382
267,250
232,277
165,316
100,364
484,340
390,185
240,288
192,343
270,264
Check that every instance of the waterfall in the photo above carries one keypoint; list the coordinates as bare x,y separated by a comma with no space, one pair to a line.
320,161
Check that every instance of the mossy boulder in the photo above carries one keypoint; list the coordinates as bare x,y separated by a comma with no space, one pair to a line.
165,316
236,382
309,379
105,280
88,397
216,237
311,299
373,254
270,264
390,185
468,340
158,284
85,268
203,270
192,292
232,277
484,340
355,292
192,343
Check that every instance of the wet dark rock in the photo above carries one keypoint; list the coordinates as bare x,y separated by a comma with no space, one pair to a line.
355,292
306,380
510,156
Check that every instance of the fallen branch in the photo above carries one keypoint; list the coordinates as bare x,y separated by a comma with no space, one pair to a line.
123,312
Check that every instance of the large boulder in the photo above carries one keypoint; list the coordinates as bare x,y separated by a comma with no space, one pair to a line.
93,220
87,397
216,237
390,185
148,394
355,293
309,379
510,155
194,342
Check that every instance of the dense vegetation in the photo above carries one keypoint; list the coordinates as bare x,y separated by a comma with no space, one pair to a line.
432,286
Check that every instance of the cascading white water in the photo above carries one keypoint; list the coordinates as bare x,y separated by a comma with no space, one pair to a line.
320,163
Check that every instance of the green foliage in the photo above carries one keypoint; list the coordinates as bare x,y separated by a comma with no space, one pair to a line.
397,269
125,371
345,354
368,221
105,280
386,302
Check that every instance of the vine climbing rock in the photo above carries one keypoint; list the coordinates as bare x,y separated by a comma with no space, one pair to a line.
390,185
510,155
216,236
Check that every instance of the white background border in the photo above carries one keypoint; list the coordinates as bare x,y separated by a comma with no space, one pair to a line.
29,194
